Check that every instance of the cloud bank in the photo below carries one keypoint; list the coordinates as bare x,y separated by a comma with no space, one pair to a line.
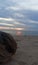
19,14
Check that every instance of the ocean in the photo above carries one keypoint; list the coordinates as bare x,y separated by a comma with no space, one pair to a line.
13,32
30,32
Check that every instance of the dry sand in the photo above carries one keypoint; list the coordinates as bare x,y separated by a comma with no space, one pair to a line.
27,51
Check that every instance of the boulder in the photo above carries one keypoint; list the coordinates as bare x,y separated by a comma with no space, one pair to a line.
8,46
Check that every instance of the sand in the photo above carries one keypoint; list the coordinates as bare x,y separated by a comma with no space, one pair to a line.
27,51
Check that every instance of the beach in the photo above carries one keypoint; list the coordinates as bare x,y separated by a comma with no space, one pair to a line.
27,51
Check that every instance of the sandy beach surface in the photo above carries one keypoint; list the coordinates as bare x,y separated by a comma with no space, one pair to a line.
27,51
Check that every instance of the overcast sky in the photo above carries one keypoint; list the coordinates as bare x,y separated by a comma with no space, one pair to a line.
20,14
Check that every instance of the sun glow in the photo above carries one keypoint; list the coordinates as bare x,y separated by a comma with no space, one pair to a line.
18,33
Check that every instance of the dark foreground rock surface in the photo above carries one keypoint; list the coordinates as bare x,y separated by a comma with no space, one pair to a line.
8,47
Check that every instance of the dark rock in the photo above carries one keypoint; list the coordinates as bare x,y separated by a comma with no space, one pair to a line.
8,46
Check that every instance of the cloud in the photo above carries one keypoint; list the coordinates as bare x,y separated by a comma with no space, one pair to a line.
8,28
2,27
19,13
12,23
29,4
12,8
17,28
26,4
11,20
33,22
6,24
20,4
7,19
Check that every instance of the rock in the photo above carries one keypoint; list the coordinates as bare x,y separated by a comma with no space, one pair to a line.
8,47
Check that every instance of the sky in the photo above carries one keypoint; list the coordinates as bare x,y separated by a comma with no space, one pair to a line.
19,15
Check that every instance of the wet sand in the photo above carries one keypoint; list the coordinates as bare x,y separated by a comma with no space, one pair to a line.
27,51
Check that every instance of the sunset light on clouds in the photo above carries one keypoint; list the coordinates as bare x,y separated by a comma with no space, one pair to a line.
19,14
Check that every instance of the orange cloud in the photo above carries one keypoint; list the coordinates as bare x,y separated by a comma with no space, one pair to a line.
9,28
4,27
19,28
